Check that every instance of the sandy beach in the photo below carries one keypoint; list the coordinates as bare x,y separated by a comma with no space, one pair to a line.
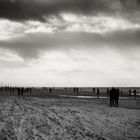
35,118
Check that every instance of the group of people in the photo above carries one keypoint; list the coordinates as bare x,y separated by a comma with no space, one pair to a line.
134,92
114,97
22,90
50,90
8,89
18,90
76,90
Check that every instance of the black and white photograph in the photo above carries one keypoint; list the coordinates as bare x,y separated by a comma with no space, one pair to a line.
69,69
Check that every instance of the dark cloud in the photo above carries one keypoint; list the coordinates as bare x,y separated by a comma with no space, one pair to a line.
37,9
31,45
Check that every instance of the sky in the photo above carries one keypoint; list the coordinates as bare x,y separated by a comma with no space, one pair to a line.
84,43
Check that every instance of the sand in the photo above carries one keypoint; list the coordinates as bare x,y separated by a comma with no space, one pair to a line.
36,118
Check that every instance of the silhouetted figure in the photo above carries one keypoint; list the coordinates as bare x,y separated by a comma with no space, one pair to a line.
30,90
93,90
116,97
107,92
111,96
77,91
129,93
98,92
18,91
135,92
74,90
50,90
22,91
121,92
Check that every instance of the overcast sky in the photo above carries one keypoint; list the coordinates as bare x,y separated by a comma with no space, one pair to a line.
70,42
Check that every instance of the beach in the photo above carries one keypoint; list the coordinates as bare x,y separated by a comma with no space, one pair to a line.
53,118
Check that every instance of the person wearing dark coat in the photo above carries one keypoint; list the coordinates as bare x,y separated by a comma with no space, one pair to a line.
107,92
111,96
98,92
135,92
22,91
116,97
50,90
18,91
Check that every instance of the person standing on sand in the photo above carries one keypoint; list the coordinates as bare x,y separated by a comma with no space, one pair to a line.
22,91
107,92
74,90
134,93
98,92
121,92
77,90
111,96
18,91
93,90
129,93
50,90
116,97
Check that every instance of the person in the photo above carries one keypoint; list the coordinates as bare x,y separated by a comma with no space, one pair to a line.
107,91
129,93
116,97
111,96
98,92
93,90
18,91
121,93
50,90
22,91
77,91
134,93
74,90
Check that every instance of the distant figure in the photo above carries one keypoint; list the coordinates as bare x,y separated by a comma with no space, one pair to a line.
98,92
129,93
50,90
111,96
116,97
18,91
77,91
93,90
74,90
121,92
135,92
22,91
30,90
107,92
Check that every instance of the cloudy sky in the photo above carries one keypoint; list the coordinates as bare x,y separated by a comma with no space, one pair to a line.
70,42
